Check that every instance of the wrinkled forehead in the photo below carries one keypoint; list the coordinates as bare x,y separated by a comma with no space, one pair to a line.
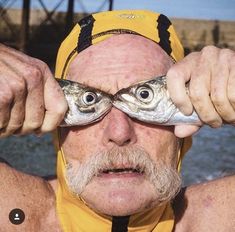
118,62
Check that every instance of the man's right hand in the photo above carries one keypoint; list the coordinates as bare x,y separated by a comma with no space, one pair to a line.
30,98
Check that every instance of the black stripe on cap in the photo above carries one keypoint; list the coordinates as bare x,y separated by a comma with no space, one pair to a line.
164,35
85,36
120,224
66,62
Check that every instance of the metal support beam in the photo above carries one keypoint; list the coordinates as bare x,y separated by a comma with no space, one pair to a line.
24,32
110,5
69,16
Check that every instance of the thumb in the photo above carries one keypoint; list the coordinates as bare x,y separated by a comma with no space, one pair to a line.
55,104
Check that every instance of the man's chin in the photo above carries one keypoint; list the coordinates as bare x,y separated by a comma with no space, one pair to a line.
120,197
121,205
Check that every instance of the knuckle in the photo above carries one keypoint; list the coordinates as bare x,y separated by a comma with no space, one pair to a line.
32,71
230,120
231,97
209,49
193,55
33,125
35,72
227,52
12,128
215,124
6,98
33,121
19,123
4,134
28,128
212,121
36,78
48,128
218,99
3,123
35,83
175,71
195,94
18,86
41,64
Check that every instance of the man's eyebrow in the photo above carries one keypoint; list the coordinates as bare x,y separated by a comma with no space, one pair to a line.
99,87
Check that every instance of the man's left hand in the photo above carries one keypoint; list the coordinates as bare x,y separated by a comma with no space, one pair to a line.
211,77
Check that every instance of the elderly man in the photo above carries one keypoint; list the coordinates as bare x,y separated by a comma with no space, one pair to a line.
111,51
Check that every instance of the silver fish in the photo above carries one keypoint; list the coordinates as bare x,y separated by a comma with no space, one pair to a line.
86,104
149,101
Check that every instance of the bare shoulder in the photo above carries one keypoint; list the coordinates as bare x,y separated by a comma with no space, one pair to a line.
32,194
207,207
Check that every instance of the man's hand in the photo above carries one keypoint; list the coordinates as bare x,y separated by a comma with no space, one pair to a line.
211,73
30,99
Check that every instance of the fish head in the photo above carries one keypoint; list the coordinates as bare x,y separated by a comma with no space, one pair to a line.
85,104
147,101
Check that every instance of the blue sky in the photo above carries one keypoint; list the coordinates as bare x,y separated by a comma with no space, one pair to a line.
199,9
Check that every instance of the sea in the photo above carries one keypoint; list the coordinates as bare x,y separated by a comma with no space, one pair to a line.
211,156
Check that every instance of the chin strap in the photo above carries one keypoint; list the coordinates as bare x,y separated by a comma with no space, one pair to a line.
120,224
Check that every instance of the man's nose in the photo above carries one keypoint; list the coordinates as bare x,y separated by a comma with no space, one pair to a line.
118,129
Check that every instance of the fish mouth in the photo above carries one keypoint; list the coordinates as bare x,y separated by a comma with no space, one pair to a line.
121,95
122,104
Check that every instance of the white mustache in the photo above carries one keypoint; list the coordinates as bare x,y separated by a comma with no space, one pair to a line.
166,180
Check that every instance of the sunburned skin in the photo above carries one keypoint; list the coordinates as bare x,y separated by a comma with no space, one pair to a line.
111,71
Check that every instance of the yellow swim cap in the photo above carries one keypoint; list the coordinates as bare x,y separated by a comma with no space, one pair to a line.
97,27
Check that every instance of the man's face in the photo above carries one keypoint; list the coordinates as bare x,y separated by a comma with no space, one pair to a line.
139,158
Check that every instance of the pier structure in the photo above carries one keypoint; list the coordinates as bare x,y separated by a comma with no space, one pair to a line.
37,27
23,35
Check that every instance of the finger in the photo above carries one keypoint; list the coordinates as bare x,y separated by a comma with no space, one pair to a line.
182,131
55,105
34,108
219,84
200,98
231,82
199,89
177,76
17,108
16,118
6,98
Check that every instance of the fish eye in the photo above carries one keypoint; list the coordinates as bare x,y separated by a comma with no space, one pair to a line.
89,98
144,94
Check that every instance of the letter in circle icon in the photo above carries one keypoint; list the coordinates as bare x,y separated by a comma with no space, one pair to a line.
16,216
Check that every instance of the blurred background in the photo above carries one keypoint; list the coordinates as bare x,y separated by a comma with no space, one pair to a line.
37,27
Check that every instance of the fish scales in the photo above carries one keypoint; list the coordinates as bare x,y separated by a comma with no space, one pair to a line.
149,101
85,104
